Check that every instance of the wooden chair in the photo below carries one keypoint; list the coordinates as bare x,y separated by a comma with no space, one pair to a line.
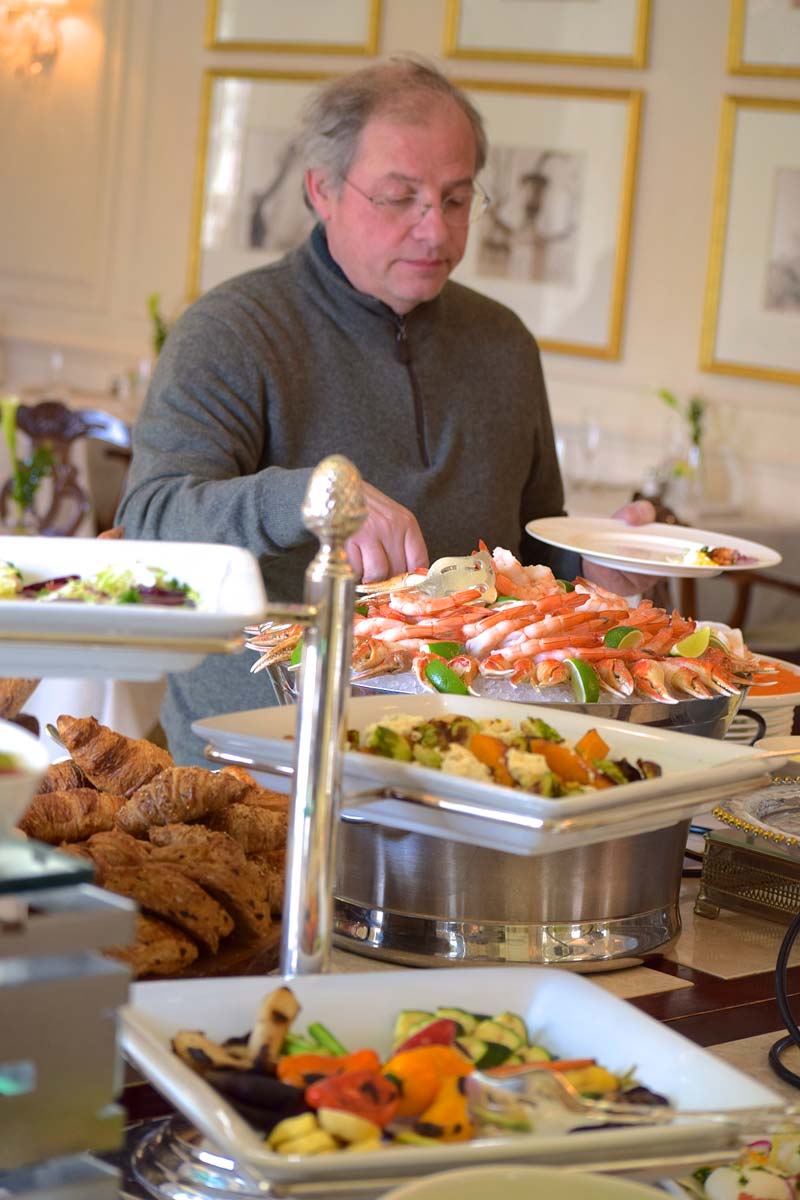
52,424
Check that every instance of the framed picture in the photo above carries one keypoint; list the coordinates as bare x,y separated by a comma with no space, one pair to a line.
248,208
307,26
764,38
751,322
553,243
602,33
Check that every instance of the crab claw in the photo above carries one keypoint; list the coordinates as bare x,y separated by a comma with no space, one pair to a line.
649,680
496,665
465,666
615,676
684,675
551,672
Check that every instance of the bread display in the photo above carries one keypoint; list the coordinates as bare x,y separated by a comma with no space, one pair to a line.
202,852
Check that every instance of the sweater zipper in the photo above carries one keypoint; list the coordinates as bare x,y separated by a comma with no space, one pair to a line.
404,355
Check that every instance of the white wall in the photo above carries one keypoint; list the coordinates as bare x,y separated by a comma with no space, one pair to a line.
97,166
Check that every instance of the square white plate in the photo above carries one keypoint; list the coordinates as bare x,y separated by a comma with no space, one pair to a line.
570,1015
125,641
697,772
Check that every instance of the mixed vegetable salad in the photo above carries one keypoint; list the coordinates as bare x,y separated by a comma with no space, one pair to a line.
310,1094
531,756
767,1169
137,584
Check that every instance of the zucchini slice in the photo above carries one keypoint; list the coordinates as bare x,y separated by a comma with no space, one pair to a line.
465,1021
514,1022
493,1031
408,1022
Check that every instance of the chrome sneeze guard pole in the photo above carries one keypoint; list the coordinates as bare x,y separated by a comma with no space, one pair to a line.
333,509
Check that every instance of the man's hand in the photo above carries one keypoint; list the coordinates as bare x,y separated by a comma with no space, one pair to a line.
389,542
636,512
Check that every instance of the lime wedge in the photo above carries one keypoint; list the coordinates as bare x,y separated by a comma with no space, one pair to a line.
445,649
297,654
565,585
623,637
445,680
694,644
585,684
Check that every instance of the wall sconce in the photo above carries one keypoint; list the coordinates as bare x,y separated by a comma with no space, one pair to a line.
30,39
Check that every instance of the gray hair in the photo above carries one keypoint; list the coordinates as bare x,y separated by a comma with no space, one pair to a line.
401,87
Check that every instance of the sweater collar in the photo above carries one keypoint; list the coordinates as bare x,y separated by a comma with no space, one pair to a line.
333,274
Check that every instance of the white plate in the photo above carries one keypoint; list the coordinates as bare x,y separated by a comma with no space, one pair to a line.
570,1015
653,549
126,641
520,1183
695,769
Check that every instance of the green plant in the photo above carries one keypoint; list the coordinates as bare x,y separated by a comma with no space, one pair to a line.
158,321
693,412
27,473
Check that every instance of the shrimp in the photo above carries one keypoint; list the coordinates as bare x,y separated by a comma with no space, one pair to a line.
417,604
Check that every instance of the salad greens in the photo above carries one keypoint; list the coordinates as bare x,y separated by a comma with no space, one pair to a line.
136,584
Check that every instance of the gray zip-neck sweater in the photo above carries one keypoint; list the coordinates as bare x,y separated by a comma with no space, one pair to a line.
444,410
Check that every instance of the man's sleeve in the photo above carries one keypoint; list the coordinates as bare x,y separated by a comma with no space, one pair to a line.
198,446
544,491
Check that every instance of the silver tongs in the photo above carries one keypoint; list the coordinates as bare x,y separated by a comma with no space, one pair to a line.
532,1086
443,577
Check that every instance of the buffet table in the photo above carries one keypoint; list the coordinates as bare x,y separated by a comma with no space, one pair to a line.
715,987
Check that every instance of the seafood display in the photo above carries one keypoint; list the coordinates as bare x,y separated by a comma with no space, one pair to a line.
530,628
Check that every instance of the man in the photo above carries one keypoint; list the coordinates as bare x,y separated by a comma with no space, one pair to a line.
355,343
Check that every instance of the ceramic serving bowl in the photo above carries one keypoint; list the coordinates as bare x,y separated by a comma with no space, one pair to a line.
29,761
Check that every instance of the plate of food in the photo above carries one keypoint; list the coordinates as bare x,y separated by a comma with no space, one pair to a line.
514,776
121,609
389,1074
679,551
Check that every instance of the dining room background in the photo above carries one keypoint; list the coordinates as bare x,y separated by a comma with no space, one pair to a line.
645,181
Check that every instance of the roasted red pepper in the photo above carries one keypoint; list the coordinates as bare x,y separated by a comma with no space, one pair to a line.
301,1070
368,1094
439,1033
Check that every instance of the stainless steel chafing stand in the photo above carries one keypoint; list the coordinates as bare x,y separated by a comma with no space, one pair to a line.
333,509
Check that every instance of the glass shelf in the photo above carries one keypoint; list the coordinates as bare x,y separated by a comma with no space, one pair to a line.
32,866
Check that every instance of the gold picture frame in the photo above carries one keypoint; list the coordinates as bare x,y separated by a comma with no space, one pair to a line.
274,26
613,34
751,318
561,263
761,40
246,121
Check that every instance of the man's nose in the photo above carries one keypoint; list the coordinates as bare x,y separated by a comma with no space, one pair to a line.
431,223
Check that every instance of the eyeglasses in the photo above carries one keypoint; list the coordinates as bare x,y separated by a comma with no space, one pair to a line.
460,208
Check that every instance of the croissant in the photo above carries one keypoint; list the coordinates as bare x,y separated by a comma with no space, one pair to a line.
236,884
165,890
62,777
70,816
158,949
113,848
179,794
256,794
113,762
256,829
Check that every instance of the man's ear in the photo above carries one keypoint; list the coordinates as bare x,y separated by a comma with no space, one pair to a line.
319,191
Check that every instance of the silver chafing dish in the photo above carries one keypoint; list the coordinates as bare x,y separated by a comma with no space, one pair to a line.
422,901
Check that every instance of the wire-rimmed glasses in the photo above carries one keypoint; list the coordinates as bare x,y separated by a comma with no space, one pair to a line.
459,208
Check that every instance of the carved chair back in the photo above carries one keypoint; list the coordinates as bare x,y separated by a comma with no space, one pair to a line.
64,503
